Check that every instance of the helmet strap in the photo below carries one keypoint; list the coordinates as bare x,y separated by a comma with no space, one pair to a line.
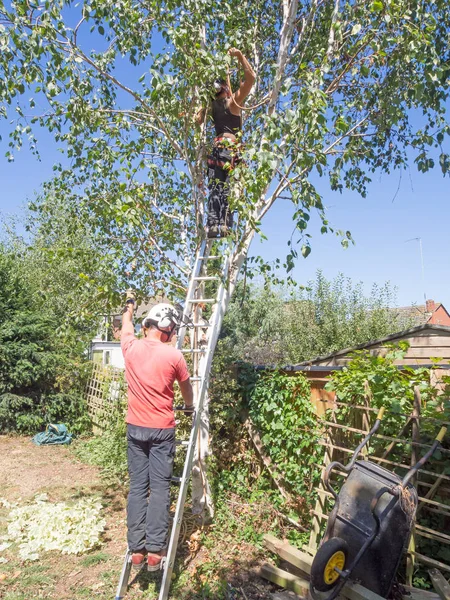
168,333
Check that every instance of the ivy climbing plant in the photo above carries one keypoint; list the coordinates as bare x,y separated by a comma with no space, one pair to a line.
280,407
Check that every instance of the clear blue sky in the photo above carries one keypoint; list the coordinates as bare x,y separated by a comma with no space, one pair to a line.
380,226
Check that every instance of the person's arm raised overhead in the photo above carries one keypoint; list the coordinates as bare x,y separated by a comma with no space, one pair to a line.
249,77
127,317
127,337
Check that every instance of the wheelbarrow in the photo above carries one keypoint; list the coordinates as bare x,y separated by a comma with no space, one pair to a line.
369,526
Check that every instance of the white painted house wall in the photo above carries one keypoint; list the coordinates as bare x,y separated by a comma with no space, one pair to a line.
107,353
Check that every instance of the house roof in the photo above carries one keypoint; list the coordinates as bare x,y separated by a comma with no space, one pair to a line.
417,315
388,338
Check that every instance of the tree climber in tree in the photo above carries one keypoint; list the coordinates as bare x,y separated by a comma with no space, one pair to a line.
226,114
151,367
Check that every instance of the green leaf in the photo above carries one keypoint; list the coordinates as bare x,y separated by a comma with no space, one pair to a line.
306,251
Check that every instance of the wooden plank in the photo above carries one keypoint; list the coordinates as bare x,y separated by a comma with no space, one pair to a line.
355,591
431,493
435,341
440,584
417,360
293,555
284,579
427,352
375,410
431,562
286,595
416,594
390,462
442,538
380,436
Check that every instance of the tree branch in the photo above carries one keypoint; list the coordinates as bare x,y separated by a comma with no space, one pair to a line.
77,51
331,34
285,39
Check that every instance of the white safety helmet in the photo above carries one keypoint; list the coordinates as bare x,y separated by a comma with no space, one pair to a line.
164,316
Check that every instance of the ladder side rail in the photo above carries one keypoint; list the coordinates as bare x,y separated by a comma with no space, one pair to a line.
170,560
204,249
124,577
205,369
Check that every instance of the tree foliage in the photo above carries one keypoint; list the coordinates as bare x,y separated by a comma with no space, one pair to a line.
41,376
343,89
270,325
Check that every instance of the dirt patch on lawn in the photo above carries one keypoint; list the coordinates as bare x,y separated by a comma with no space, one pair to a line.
26,470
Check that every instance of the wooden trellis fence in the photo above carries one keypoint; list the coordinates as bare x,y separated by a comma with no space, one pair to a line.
105,394
430,541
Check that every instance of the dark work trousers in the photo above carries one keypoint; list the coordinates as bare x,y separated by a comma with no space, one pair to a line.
219,189
150,464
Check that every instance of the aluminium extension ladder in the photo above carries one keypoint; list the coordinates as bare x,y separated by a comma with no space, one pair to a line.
202,351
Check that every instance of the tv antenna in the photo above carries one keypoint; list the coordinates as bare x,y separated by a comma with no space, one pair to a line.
419,239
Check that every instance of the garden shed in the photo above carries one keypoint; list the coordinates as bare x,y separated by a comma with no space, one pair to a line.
426,344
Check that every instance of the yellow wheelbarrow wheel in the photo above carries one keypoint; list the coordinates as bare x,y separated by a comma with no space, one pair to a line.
331,555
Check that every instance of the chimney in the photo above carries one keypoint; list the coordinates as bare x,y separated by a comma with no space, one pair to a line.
430,306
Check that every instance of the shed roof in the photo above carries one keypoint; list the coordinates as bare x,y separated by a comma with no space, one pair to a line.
389,338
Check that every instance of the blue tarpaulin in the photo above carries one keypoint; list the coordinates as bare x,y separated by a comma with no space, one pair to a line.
53,434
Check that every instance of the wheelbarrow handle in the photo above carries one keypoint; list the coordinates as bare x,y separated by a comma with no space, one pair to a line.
437,442
349,466
366,440
326,476
441,435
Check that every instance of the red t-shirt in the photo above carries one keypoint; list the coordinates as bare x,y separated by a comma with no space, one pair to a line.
151,368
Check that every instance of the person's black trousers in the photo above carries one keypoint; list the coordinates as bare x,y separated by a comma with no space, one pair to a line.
219,188
150,465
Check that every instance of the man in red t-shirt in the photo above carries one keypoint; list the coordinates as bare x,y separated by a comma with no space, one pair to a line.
151,368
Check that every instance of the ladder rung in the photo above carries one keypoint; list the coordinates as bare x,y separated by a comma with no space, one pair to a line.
212,278
202,300
196,378
176,479
209,257
201,326
183,443
193,351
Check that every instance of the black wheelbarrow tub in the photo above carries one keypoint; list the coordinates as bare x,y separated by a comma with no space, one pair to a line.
352,520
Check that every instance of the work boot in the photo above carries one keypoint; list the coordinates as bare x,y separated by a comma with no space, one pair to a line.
138,559
154,560
213,231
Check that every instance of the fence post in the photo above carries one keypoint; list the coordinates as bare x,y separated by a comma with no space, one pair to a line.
415,436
